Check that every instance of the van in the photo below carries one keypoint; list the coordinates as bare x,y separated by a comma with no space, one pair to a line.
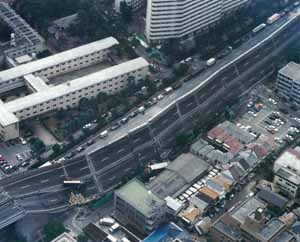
114,228
107,221
168,90
103,134
141,109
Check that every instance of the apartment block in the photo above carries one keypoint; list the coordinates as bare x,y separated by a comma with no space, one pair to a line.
287,173
136,205
47,96
167,19
25,41
288,82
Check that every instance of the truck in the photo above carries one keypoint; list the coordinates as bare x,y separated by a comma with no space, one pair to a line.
273,18
211,62
259,28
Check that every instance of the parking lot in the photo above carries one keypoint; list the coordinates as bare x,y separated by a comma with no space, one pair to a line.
264,118
13,155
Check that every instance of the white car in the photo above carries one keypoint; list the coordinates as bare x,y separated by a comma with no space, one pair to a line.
159,97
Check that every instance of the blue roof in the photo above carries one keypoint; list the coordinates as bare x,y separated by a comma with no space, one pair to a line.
168,232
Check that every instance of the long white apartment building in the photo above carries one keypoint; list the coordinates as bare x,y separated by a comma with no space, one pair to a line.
167,19
47,97
55,65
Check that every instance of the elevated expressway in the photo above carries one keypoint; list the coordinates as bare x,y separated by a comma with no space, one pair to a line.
111,160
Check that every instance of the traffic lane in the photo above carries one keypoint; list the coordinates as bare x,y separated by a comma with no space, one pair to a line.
36,183
187,105
9,211
193,83
140,137
146,154
164,121
117,174
55,199
109,156
90,188
78,168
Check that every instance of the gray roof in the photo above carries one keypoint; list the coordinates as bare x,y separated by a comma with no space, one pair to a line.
284,237
236,132
232,232
136,194
272,198
247,208
270,229
197,202
178,175
291,70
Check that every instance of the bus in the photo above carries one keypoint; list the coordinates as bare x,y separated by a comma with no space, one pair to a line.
71,181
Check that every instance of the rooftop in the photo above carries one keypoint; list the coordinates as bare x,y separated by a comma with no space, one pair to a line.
272,198
292,70
56,59
138,196
290,159
74,85
178,175
65,237
247,208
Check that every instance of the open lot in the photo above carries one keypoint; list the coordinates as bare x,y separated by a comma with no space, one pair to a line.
264,117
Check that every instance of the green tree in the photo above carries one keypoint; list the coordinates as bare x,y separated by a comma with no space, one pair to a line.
82,238
53,228
37,145
56,148
183,139
126,12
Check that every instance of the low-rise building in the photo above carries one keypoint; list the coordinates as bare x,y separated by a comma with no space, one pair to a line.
46,96
137,206
287,173
65,237
248,222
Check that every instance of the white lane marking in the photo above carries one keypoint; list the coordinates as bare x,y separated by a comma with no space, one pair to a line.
54,200
84,168
26,186
44,181
120,150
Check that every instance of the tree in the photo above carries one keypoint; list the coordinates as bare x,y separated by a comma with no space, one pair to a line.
126,12
37,145
183,139
53,228
83,103
56,148
82,238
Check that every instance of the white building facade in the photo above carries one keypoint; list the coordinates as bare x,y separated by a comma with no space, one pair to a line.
167,19
288,82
